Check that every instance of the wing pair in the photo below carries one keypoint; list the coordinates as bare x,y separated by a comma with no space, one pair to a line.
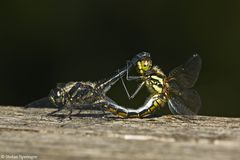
183,99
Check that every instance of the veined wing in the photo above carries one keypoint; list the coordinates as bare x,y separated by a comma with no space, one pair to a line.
41,103
185,102
186,75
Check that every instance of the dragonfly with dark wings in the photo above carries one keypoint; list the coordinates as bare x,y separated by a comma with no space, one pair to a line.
175,89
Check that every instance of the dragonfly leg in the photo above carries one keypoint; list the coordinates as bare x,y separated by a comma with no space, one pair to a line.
69,115
136,91
52,113
129,78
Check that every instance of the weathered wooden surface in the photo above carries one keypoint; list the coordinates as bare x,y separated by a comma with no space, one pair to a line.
28,132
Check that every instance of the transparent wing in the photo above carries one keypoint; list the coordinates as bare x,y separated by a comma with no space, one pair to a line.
41,103
186,102
186,75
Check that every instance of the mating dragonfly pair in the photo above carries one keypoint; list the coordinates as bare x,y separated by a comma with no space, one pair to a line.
174,89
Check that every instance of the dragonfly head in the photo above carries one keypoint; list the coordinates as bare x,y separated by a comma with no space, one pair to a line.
57,97
144,64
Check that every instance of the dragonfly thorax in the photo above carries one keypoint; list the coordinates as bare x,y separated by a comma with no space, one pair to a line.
155,84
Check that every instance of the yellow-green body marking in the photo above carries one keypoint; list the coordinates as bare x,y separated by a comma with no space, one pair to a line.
156,84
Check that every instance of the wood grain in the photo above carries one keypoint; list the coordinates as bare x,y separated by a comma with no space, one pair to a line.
29,132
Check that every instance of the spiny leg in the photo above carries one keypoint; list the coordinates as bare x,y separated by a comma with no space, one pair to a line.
52,113
61,108
69,115
129,78
136,91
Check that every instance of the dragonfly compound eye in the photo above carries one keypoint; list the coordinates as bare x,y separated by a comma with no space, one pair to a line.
56,96
144,65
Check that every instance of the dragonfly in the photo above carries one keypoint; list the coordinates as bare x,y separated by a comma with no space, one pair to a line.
176,89
86,95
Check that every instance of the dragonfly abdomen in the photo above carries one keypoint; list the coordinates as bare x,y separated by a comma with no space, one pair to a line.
147,109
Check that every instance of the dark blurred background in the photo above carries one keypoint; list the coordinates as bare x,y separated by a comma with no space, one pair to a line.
46,42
